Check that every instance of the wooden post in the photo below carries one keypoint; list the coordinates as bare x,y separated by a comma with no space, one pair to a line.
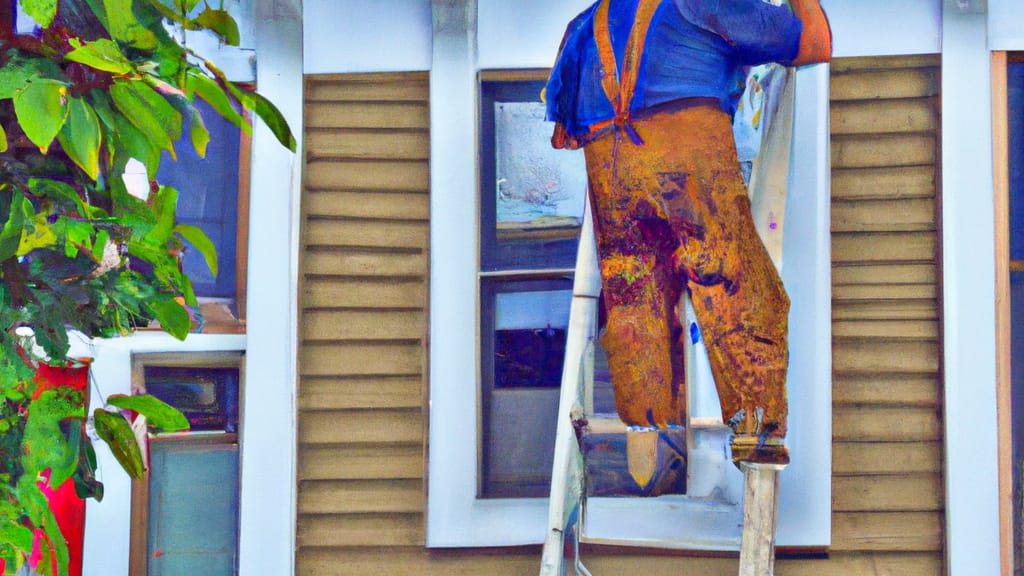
760,512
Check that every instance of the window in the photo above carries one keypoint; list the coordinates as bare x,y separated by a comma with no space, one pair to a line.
531,206
457,515
186,510
214,195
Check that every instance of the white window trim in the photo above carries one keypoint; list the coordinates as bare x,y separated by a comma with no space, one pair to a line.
455,516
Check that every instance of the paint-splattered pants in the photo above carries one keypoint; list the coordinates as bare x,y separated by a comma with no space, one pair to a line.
672,213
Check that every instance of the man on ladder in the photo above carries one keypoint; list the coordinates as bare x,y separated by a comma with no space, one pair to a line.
648,88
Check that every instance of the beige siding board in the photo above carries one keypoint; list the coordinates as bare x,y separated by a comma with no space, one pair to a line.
364,263
361,530
904,215
876,355
864,64
888,329
883,183
367,144
417,561
885,390
884,247
884,84
903,493
360,393
854,273
371,175
883,117
626,561
361,497
884,310
327,293
334,359
874,424
363,325
883,150
361,427
357,462
887,531
369,204
398,115
861,292
390,87
353,233
863,459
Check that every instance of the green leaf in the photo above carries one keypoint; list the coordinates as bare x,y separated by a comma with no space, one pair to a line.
173,317
101,54
45,444
79,236
195,236
220,22
149,112
118,434
37,234
61,193
198,83
165,205
102,238
133,143
10,236
3,139
124,27
270,115
42,11
80,136
86,484
158,413
13,78
197,130
41,110
16,73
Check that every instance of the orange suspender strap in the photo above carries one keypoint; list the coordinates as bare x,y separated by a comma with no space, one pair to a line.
620,91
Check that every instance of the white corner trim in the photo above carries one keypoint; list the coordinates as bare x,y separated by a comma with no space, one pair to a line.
268,436
968,240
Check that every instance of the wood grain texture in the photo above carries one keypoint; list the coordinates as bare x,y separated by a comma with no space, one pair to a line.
363,304
883,116
370,204
361,497
865,460
319,293
887,531
884,84
889,150
886,183
348,461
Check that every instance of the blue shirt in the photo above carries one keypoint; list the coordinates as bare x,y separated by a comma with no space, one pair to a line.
694,48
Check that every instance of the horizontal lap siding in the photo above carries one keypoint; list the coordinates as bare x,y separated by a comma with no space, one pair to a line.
888,493
361,510
364,271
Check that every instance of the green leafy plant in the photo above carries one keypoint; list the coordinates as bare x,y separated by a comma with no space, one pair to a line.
95,84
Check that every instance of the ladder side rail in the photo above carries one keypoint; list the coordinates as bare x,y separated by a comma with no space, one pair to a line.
582,328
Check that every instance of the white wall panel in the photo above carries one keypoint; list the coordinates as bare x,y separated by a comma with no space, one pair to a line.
366,36
885,27
1005,25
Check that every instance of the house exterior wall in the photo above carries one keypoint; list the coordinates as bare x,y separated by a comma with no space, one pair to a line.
964,34
360,514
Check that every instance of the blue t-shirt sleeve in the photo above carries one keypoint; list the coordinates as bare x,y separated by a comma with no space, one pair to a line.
758,32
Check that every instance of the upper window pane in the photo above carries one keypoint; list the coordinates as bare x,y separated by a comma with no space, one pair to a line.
531,196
